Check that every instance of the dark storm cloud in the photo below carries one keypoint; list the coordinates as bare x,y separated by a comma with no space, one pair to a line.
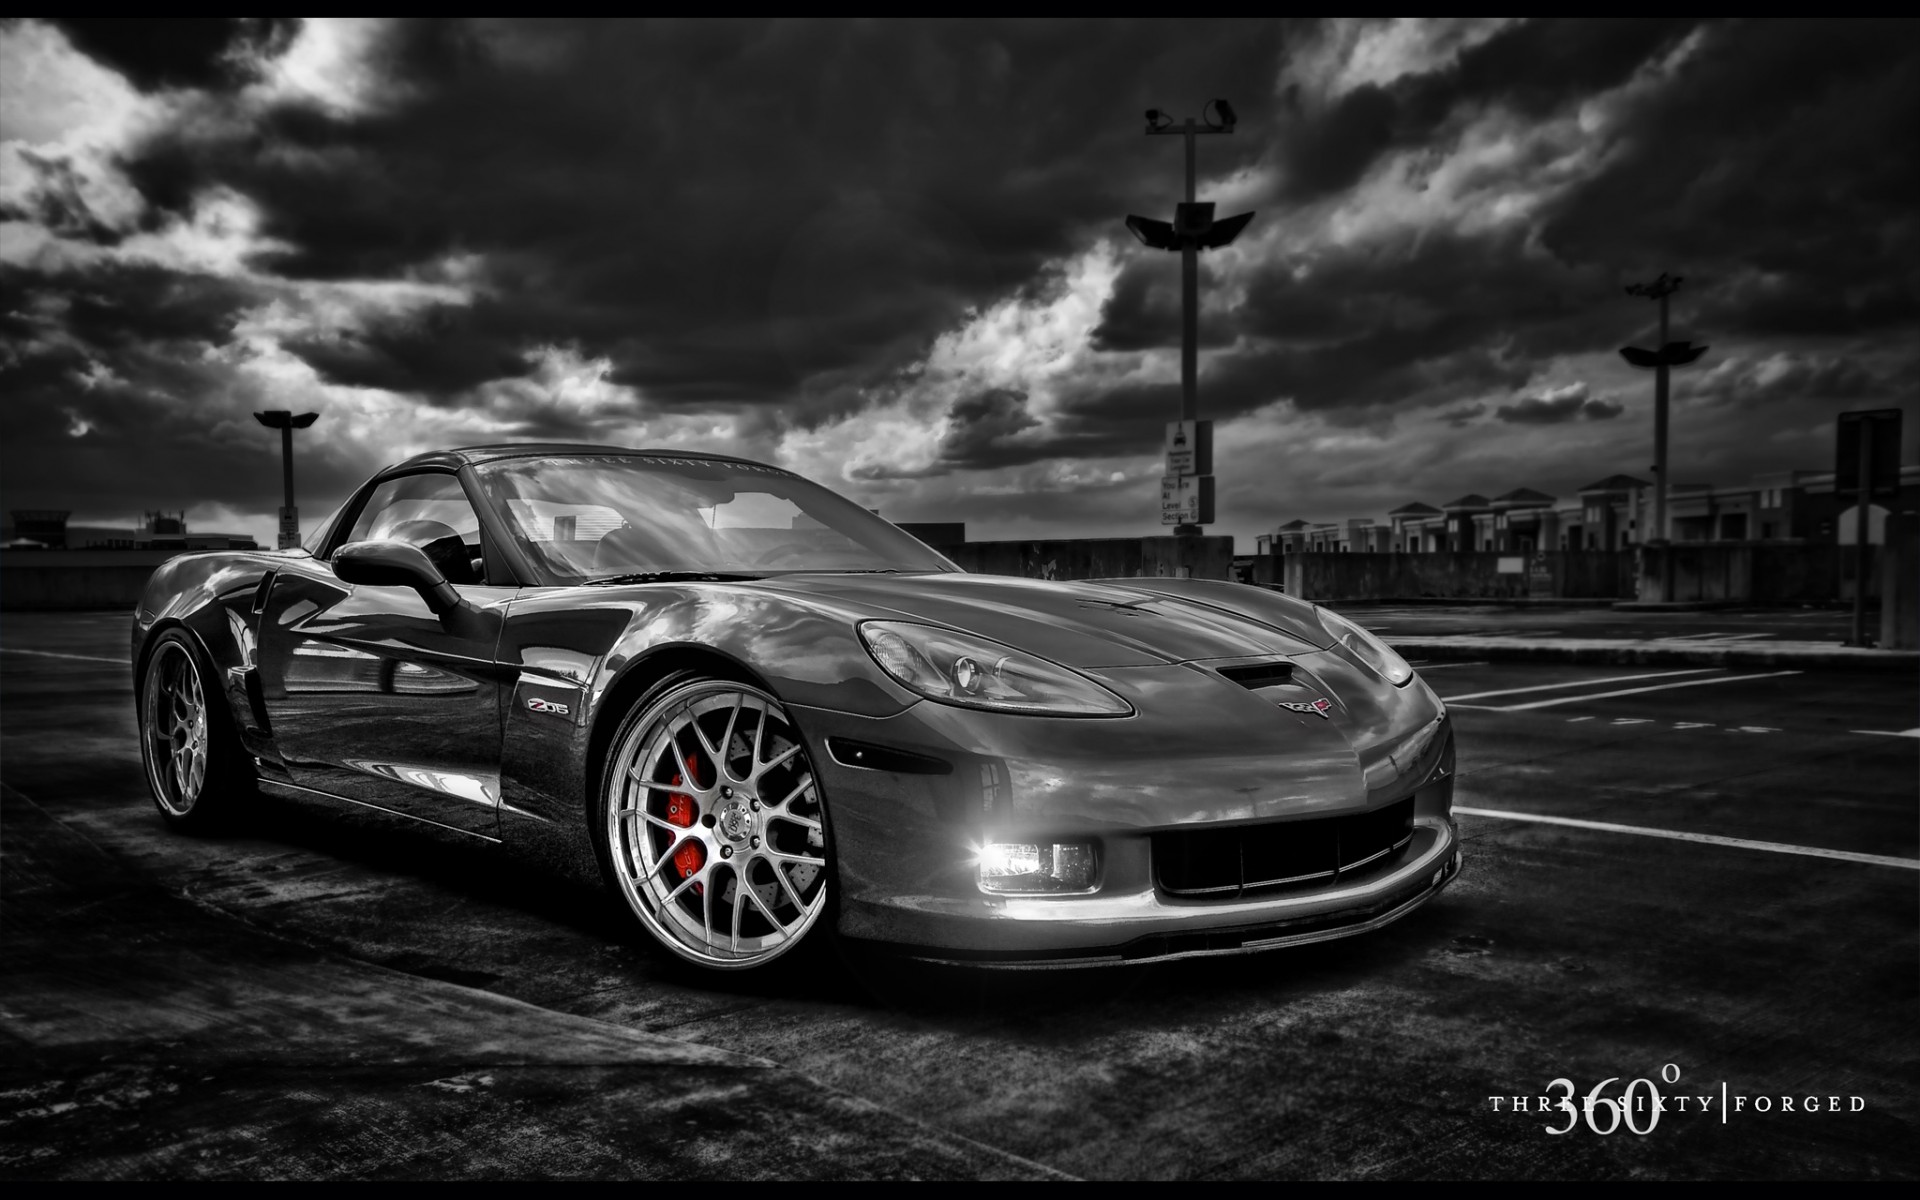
1143,313
1414,321
771,222
57,201
980,426
1789,376
1532,68
176,52
729,208
443,350
1563,404
1777,148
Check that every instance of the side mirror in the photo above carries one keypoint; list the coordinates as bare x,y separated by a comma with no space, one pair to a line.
396,564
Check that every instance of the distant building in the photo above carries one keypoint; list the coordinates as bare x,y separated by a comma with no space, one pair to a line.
48,529
1610,515
39,527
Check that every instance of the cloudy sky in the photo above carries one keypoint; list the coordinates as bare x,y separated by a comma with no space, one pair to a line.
890,255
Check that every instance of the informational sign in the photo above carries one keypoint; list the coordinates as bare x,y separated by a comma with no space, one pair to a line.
289,528
1186,499
1539,575
1880,429
1189,448
1510,565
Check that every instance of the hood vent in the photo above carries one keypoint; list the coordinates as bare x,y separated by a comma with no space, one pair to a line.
1258,675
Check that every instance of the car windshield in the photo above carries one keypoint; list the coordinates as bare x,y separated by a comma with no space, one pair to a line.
593,517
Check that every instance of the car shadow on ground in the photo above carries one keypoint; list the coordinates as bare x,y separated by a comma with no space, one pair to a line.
534,921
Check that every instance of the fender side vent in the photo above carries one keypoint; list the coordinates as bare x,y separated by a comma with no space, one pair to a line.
850,753
1259,675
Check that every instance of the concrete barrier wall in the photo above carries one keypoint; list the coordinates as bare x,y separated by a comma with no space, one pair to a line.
1584,574
1099,558
1754,572
38,580
1900,584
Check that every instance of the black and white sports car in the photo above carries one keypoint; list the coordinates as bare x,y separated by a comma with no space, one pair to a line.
777,719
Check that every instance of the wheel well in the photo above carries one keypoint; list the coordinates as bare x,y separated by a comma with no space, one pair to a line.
633,683
154,634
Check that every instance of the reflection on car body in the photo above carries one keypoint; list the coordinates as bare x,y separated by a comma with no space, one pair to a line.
777,720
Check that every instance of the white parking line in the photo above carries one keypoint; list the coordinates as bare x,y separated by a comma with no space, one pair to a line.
118,662
1656,687
1547,687
1427,666
1878,860
1713,637
1907,733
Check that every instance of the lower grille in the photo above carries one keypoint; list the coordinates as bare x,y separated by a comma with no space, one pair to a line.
1226,864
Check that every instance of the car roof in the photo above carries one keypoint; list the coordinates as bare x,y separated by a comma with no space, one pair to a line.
474,455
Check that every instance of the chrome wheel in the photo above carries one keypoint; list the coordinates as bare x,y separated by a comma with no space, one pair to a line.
176,730
715,825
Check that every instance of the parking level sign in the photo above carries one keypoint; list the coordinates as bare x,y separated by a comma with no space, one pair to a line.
1186,500
1179,499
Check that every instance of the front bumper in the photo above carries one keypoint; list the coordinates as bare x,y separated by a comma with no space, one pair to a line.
1156,930
905,840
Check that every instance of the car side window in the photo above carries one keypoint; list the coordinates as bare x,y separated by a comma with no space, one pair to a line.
431,512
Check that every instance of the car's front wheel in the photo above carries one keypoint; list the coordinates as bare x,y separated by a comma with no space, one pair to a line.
711,824
195,767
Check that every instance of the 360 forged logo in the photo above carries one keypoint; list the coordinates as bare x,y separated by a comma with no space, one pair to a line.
1639,1104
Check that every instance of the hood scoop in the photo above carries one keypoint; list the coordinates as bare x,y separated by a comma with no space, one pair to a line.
1254,676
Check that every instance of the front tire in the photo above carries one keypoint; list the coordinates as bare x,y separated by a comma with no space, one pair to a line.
711,827
195,768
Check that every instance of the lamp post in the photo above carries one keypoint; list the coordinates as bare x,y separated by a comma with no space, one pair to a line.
1670,354
1192,230
286,423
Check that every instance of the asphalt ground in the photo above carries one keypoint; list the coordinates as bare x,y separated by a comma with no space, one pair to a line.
1715,880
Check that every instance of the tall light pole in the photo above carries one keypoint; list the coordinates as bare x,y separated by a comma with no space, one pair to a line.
1193,229
1670,354
286,423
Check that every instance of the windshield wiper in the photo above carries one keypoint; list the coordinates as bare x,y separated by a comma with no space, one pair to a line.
673,577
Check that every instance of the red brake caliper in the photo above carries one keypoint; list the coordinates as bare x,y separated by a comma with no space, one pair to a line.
682,812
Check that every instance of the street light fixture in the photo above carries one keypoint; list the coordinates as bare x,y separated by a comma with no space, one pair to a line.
286,422
1192,230
1669,355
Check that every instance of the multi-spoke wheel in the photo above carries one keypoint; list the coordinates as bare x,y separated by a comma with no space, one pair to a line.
185,737
713,825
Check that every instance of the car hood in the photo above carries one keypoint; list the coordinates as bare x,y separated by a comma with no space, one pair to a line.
1096,623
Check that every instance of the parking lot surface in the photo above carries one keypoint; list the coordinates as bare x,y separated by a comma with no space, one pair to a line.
1702,873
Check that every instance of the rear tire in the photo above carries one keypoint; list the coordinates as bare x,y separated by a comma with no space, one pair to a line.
710,826
196,769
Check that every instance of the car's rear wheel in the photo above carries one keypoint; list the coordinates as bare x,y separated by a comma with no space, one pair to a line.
192,754
712,826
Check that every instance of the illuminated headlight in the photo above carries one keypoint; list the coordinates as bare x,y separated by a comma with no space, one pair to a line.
1027,867
1385,661
959,668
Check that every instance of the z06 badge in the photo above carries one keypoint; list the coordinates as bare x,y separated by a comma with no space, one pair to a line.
548,706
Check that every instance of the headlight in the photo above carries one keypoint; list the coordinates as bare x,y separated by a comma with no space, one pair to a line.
1367,648
959,668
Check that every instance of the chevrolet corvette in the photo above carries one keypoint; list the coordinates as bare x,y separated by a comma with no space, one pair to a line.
776,720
